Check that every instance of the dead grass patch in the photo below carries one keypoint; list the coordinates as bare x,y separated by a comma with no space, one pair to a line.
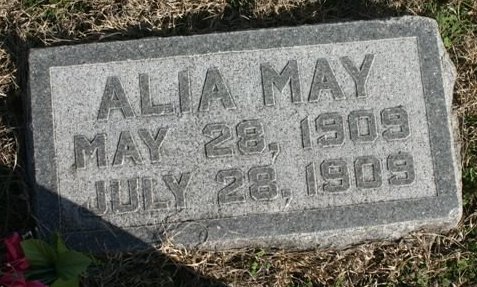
421,259
8,145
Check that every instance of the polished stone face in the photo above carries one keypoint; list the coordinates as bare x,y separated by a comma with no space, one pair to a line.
291,137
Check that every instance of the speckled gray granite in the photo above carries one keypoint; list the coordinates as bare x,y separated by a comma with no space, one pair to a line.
290,137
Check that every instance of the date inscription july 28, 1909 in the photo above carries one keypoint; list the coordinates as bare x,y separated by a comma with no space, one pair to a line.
198,137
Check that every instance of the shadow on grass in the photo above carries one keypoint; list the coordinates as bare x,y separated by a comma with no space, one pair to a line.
239,15
14,202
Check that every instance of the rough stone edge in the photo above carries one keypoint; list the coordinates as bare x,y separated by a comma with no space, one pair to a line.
340,238
449,77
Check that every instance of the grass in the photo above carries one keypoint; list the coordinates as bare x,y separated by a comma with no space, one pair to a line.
454,20
420,259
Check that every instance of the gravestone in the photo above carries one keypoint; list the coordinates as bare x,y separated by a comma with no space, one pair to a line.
290,137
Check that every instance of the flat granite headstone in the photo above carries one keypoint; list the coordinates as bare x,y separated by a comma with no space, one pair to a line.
290,137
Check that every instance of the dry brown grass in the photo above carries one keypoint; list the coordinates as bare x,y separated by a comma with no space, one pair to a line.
8,146
418,260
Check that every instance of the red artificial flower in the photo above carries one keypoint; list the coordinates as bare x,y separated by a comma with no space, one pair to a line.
12,280
15,257
16,264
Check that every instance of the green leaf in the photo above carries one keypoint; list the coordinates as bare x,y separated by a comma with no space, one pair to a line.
38,253
59,243
74,282
45,274
71,264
